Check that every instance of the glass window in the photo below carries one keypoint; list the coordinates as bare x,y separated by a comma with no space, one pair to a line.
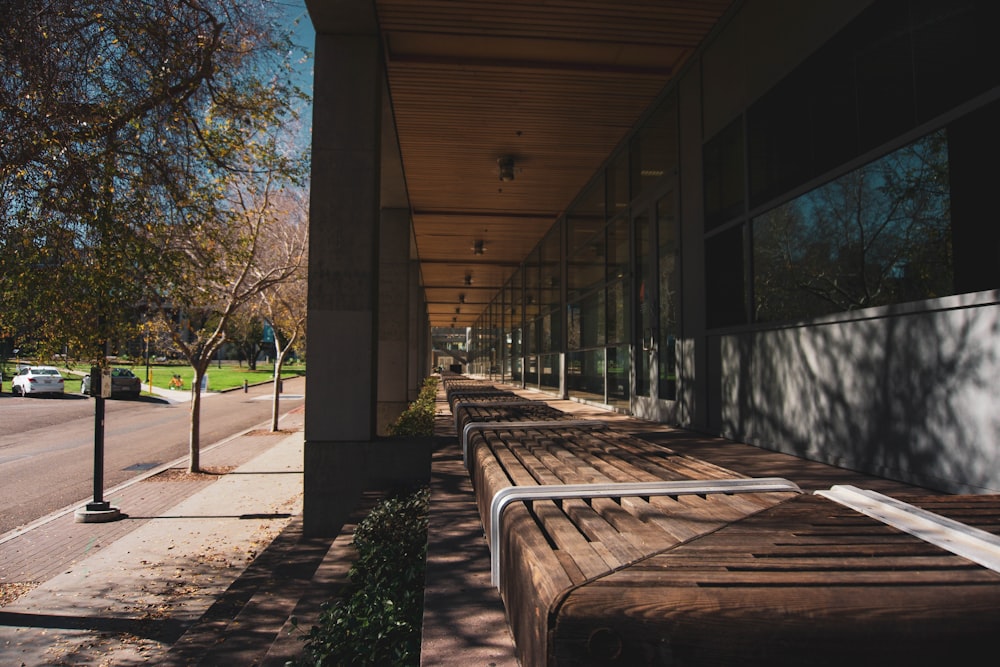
878,235
585,374
884,73
618,185
551,269
724,170
586,217
515,353
531,371
617,254
724,279
618,312
974,171
618,375
654,147
592,319
530,337
778,131
670,295
955,52
586,265
532,293
548,330
550,371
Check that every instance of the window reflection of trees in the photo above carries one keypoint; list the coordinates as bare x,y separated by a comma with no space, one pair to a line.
878,235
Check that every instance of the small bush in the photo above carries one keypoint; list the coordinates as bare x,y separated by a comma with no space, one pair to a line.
379,623
418,419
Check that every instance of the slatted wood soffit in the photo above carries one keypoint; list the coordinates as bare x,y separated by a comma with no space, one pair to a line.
552,85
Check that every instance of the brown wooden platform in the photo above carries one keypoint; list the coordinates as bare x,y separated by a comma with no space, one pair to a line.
807,582
768,578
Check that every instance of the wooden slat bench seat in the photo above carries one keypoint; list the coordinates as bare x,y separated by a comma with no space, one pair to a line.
768,578
807,582
549,546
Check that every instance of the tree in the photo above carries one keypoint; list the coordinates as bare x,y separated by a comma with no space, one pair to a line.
137,149
232,258
284,304
116,119
246,334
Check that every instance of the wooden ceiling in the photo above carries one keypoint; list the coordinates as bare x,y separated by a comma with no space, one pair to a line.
553,84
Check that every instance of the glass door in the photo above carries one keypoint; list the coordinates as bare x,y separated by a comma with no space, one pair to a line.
657,306
645,303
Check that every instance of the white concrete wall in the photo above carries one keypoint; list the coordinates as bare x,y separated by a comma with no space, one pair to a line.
908,392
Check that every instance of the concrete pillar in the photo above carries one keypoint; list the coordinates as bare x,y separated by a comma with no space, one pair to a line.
343,265
393,317
416,371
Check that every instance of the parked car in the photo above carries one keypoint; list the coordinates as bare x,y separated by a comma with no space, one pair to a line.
37,380
123,383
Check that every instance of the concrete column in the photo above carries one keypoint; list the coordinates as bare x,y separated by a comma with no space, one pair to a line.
416,371
393,317
343,265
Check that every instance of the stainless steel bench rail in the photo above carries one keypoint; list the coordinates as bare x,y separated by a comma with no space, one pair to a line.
959,538
504,497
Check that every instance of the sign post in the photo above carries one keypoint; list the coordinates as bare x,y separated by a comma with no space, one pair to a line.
99,510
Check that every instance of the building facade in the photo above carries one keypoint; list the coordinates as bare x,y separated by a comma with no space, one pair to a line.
792,245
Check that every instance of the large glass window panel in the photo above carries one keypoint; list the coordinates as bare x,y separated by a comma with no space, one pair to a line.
955,52
654,147
515,351
587,265
724,278
585,374
974,171
878,235
883,68
549,371
586,216
549,332
724,170
618,375
618,312
532,294
670,295
531,371
619,195
531,337
592,319
551,268
644,299
617,254
778,130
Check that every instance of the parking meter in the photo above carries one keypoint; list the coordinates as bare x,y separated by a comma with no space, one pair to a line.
100,382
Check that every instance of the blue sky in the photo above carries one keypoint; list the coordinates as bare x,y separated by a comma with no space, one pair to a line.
296,20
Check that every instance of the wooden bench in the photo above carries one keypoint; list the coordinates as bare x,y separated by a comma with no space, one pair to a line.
591,575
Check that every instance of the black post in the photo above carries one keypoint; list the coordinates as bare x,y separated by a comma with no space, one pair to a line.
98,504
99,510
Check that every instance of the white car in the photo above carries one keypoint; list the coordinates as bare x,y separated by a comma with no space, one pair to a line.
37,380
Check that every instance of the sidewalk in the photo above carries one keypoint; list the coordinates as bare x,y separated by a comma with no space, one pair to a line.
127,592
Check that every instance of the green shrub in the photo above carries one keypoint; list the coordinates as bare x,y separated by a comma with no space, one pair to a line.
379,622
418,419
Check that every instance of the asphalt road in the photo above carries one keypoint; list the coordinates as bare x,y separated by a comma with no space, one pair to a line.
47,444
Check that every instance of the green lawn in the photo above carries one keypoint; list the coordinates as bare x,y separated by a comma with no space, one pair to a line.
229,376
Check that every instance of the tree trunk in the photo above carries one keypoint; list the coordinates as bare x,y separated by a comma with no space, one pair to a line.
194,441
277,391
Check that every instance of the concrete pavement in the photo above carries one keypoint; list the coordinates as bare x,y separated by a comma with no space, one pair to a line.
208,569
125,592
